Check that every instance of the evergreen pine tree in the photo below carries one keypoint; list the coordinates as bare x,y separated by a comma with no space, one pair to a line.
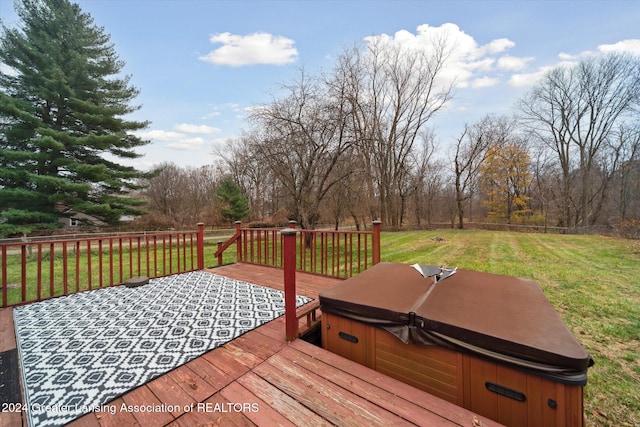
234,205
63,126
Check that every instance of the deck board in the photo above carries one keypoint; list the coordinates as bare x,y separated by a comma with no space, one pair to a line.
290,383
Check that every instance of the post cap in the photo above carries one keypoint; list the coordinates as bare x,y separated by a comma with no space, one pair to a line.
288,231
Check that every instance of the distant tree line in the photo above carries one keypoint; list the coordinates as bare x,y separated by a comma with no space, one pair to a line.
355,144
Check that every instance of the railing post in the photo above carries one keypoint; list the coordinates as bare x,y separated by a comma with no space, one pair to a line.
291,321
219,253
239,241
200,243
376,242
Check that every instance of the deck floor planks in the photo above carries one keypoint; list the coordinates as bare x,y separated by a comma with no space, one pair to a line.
286,405
336,404
262,367
7,332
210,373
232,359
204,418
191,384
257,410
170,393
258,344
117,419
367,390
424,400
147,418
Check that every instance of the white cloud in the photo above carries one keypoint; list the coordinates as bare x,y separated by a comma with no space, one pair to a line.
256,48
513,63
499,45
482,65
180,138
211,115
629,46
528,79
197,129
469,64
567,59
220,109
484,82
567,56
159,135
188,144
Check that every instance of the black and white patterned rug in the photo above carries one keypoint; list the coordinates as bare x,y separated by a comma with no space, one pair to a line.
81,351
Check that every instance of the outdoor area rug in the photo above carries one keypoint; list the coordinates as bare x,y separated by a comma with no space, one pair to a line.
81,351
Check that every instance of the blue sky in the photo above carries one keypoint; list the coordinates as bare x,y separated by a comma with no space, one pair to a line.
201,64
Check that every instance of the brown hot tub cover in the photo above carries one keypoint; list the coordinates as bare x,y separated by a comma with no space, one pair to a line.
499,317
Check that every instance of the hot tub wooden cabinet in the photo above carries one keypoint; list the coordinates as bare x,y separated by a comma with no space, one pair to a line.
489,343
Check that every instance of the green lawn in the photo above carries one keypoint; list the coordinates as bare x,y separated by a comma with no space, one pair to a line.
593,282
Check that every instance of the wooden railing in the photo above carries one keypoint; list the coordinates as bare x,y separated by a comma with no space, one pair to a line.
326,252
34,270
38,270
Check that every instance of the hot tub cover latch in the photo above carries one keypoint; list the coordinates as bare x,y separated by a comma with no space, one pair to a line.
412,320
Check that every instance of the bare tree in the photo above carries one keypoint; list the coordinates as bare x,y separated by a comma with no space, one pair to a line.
180,195
628,153
302,137
422,179
164,191
394,91
574,111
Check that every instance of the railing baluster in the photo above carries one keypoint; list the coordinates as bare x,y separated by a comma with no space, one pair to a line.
274,247
147,255
325,253
110,262
130,256
155,255
259,246
66,289
170,254
164,255
89,275
121,261
23,272
5,278
139,257
359,253
100,263
51,268
39,267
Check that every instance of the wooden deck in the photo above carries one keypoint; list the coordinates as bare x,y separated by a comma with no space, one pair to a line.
260,379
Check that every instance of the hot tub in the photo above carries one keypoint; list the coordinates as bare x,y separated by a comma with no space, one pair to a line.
490,343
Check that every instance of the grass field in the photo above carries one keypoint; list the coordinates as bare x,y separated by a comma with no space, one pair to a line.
593,282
